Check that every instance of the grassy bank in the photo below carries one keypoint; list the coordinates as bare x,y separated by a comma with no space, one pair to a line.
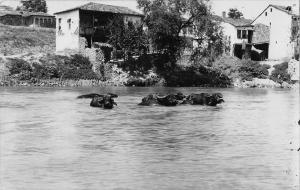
20,39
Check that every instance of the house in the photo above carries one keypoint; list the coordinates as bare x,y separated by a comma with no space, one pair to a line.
32,19
82,26
11,18
281,27
237,34
38,19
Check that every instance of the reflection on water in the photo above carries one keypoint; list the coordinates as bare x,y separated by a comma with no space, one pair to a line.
50,140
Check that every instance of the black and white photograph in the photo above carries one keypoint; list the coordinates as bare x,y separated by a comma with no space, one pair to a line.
149,95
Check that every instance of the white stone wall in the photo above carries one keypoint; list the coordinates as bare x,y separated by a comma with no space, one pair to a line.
280,24
67,38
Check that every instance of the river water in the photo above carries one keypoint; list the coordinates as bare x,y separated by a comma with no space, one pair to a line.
50,140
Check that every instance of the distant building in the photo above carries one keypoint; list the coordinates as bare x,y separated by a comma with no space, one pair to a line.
11,18
82,26
39,19
280,27
22,18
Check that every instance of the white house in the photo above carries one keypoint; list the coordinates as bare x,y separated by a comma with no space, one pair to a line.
283,28
87,23
237,33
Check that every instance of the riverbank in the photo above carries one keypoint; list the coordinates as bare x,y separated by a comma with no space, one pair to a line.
50,70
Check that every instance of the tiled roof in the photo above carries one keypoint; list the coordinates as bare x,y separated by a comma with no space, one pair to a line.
16,13
261,34
26,14
103,8
282,8
5,8
234,22
278,7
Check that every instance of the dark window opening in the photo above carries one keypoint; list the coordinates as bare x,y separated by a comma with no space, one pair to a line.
69,23
266,13
239,34
59,24
244,34
271,9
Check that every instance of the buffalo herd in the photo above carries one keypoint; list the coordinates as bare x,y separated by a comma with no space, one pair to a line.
107,101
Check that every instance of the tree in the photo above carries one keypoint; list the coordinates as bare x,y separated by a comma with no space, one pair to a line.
234,13
128,37
166,19
33,6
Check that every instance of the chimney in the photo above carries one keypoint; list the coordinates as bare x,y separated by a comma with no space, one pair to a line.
224,14
288,8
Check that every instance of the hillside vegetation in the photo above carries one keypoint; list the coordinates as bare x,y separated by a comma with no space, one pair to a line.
20,40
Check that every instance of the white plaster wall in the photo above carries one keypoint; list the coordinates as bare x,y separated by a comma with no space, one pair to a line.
67,38
280,32
133,19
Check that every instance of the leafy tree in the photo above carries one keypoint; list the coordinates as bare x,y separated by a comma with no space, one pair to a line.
166,19
128,37
235,13
33,6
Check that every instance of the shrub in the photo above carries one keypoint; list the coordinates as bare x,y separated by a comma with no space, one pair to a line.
76,67
280,74
251,69
79,61
45,71
18,65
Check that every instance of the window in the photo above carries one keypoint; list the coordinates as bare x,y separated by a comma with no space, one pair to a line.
266,13
59,24
239,34
69,23
271,10
244,34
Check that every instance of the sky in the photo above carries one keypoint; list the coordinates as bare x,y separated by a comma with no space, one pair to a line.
250,8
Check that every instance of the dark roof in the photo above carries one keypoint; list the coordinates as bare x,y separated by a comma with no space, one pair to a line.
279,7
15,13
103,8
24,14
27,14
232,21
261,34
282,8
5,8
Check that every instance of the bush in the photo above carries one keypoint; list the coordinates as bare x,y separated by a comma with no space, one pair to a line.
45,71
76,67
20,69
251,69
280,74
18,65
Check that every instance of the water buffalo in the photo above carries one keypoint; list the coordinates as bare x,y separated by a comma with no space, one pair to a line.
205,99
177,99
168,100
103,101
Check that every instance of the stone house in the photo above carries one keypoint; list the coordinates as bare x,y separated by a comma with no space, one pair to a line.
80,27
